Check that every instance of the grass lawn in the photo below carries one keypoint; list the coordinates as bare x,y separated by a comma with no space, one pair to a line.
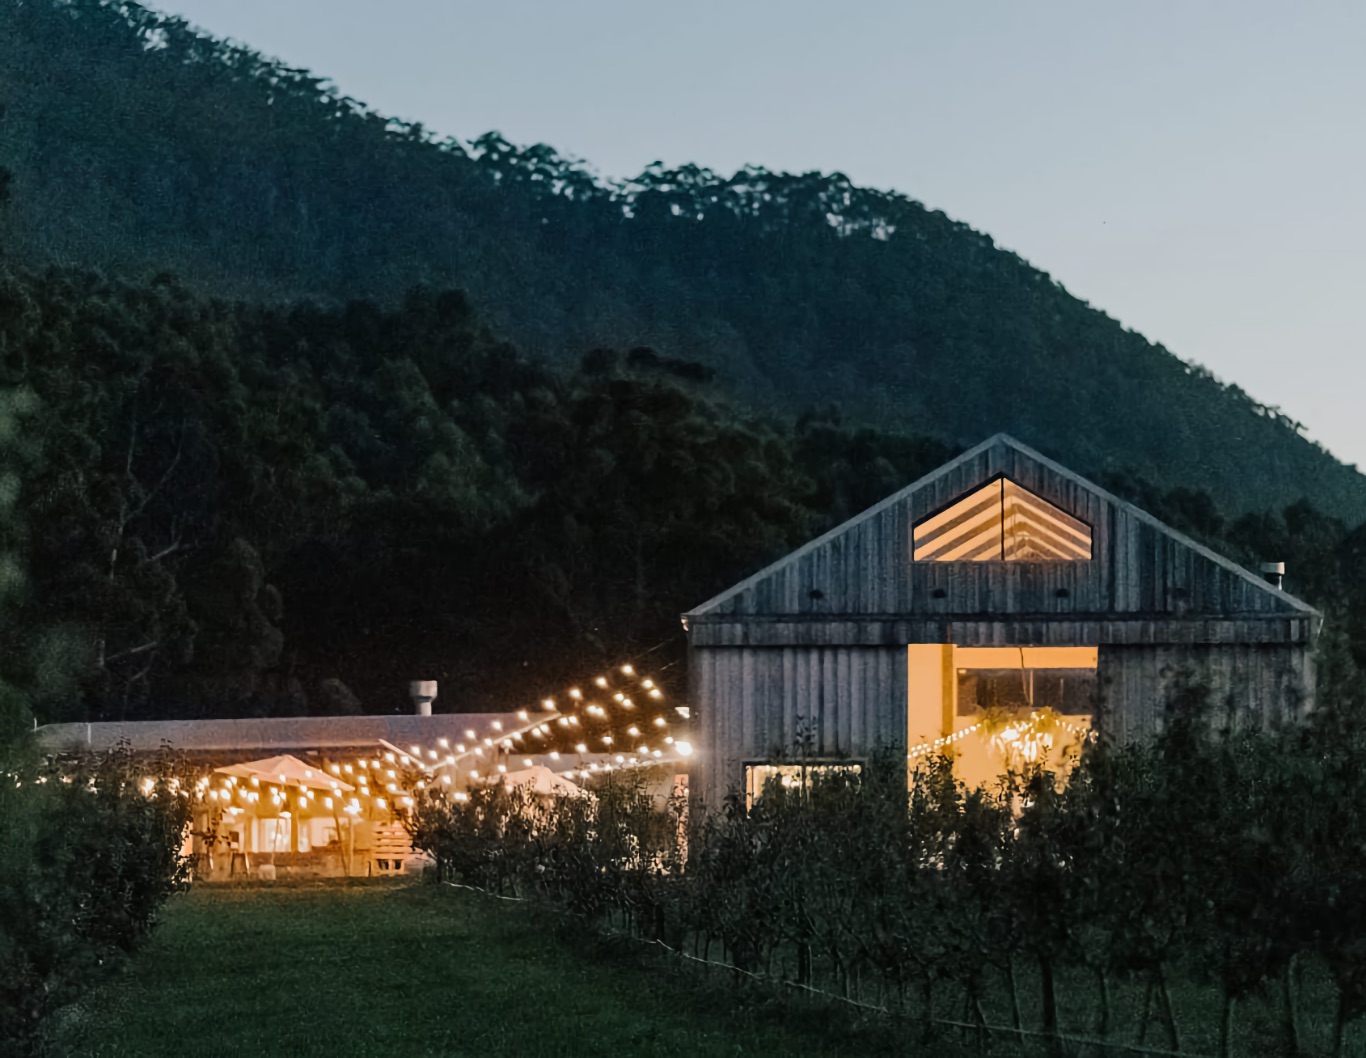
405,970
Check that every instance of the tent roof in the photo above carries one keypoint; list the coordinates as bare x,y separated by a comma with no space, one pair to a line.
286,770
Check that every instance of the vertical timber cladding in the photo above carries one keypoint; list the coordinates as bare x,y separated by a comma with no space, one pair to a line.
815,644
756,703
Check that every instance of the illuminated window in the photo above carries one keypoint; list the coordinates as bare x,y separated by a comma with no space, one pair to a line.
1001,522
794,776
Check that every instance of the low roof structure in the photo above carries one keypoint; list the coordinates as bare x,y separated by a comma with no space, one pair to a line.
264,737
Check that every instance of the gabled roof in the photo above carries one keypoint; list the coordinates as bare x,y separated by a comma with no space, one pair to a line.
1288,603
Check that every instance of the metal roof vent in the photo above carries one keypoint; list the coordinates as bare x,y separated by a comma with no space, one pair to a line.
1274,572
422,692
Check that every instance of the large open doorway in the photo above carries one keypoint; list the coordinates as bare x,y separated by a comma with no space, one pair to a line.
999,706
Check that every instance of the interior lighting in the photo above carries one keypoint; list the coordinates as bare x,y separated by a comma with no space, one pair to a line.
581,748
444,742
601,681
647,684
684,749
627,670
522,714
659,721
574,692
388,757
656,693
549,703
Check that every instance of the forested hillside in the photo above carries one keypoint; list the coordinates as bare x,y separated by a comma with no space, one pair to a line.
134,145
238,510
226,509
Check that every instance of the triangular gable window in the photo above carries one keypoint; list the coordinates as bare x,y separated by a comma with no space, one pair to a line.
1001,522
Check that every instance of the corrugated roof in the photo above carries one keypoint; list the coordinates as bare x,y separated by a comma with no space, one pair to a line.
264,737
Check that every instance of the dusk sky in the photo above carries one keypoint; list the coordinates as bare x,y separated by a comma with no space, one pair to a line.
1194,169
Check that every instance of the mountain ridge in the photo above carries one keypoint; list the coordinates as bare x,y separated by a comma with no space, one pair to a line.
263,182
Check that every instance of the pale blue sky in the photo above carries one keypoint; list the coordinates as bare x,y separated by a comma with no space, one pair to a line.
1195,168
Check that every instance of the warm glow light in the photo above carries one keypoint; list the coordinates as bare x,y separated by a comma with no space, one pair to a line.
601,681
656,693
684,749
554,756
574,692
522,714
497,725
444,743
549,703
606,740
633,730
647,684
628,670
581,748
388,757
659,721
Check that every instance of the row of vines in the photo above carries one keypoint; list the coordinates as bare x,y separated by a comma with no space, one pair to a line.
89,853
1204,892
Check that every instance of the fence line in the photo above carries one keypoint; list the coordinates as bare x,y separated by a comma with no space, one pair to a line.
1131,1048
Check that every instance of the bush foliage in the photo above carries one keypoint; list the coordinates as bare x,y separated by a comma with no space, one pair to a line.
89,852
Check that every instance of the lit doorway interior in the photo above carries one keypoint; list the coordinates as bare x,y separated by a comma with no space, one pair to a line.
999,706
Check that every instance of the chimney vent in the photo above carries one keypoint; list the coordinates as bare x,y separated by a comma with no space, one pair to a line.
1273,572
422,692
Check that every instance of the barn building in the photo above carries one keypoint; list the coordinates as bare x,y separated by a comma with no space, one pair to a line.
999,604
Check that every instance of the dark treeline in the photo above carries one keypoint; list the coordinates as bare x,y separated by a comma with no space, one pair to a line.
233,510
225,509
133,144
